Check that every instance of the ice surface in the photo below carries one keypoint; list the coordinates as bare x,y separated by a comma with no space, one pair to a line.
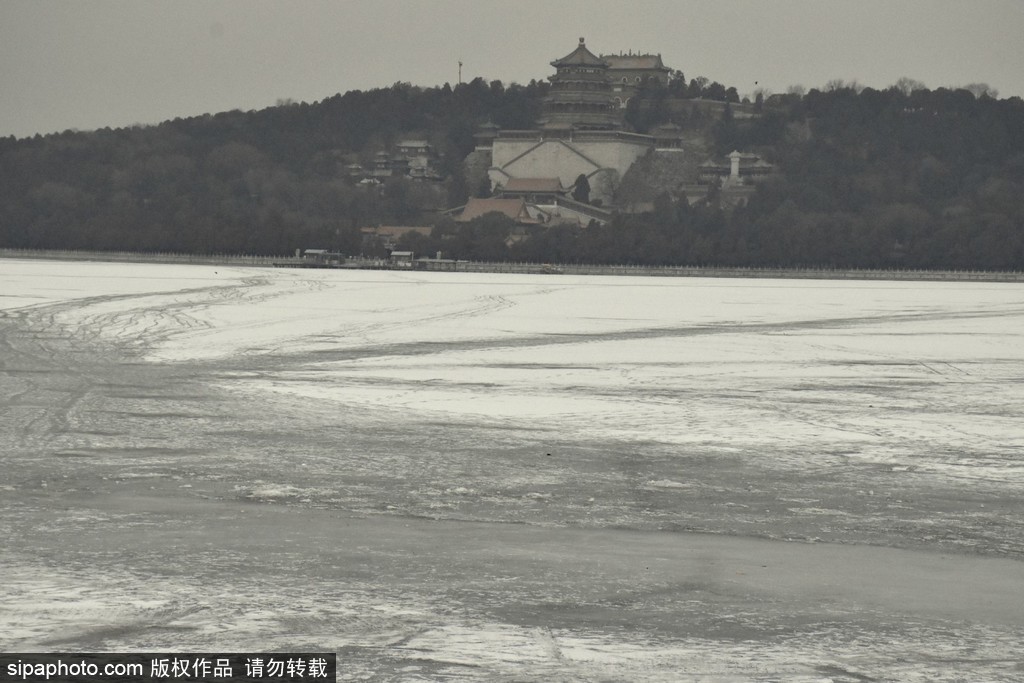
921,375
154,414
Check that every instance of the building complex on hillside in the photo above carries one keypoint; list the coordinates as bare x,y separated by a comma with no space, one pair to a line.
581,162
581,132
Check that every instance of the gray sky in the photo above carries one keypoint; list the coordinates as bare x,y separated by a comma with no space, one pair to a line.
87,64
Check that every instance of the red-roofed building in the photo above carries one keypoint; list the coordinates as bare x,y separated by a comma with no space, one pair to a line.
556,210
533,190
515,209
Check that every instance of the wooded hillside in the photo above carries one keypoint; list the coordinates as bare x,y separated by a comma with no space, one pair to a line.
866,178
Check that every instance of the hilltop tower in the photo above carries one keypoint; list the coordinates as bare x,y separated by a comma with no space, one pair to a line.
580,96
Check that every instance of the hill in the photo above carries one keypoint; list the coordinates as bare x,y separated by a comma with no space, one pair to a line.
865,178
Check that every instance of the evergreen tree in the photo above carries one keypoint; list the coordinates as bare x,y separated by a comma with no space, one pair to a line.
581,189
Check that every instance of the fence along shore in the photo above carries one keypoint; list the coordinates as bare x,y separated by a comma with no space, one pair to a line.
809,273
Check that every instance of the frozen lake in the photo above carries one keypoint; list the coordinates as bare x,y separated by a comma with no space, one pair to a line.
501,477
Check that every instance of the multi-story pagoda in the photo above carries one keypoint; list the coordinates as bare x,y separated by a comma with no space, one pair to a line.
580,97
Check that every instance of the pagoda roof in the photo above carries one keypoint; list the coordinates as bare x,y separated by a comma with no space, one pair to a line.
581,56
512,208
635,62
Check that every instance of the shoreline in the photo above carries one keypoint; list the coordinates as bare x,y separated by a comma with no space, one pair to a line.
443,265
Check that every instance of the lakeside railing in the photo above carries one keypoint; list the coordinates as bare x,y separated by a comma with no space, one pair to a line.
822,273
724,272
148,257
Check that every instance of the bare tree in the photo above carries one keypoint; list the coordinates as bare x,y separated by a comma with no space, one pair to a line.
908,85
981,90
839,84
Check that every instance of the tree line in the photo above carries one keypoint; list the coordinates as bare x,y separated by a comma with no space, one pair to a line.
260,182
866,178
904,176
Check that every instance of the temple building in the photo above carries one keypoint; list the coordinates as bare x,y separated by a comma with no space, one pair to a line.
627,72
415,159
581,135
580,96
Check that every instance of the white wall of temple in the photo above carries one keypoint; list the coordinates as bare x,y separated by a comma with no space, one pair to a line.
617,155
563,159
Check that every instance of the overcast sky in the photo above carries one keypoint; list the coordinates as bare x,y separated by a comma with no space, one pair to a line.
87,64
